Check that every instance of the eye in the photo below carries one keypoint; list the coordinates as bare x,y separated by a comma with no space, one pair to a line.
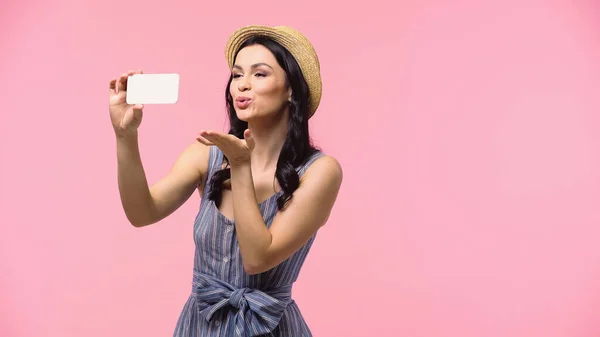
261,74
236,75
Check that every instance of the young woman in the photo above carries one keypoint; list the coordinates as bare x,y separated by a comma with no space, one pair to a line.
265,190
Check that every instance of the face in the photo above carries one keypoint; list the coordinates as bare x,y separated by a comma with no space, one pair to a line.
259,88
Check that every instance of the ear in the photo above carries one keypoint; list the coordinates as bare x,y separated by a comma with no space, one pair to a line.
289,92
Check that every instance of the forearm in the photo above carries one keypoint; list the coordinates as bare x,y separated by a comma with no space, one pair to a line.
253,235
133,186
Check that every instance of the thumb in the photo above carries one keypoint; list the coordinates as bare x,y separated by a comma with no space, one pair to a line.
138,111
132,117
249,139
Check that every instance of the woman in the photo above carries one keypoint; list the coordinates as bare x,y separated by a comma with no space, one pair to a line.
265,190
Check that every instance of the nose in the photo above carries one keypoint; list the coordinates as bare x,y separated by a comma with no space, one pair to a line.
243,84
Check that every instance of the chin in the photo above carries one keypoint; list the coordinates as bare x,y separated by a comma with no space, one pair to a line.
250,115
244,115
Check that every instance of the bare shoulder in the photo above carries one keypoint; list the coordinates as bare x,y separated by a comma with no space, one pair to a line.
325,170
193,159
198,154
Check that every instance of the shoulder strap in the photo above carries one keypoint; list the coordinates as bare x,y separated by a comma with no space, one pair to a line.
318,154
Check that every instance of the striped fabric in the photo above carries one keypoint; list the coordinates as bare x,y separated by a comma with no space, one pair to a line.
225,300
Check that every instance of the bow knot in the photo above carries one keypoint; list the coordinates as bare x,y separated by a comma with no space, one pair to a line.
258,311
236,299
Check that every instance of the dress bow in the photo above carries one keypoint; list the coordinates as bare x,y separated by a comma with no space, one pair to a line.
258,312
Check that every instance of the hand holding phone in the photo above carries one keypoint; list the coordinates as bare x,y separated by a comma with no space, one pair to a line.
129,92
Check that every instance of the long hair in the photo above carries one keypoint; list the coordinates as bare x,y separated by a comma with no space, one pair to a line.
297,147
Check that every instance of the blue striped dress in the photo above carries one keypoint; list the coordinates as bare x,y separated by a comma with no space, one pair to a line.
225,300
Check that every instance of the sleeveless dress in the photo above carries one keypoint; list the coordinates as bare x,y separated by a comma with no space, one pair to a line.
225,300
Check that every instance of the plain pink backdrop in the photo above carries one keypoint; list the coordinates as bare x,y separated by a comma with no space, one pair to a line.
469,133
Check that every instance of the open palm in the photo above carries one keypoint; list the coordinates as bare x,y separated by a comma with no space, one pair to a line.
236,150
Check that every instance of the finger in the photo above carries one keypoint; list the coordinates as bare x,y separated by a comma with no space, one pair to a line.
249,139
131,73
210,139
213,137
138,111
204,141
112,87
218,136
122,82
133,116
208,134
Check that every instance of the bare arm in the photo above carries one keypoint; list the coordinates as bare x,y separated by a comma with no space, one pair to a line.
263,248
146,205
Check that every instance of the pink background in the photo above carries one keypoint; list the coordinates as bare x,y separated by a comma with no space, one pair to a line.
469,134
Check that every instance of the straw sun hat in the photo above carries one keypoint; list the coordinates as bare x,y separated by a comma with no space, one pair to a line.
296,43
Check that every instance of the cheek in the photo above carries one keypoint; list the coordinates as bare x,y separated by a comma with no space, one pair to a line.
265,88
270,92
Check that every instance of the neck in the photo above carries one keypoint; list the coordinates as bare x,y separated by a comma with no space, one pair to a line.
268,140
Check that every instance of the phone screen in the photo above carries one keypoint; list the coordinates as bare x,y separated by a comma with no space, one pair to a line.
153,89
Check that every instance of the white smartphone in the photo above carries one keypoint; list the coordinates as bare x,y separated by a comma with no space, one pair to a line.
152,89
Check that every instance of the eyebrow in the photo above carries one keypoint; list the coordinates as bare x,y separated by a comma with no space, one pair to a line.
253,66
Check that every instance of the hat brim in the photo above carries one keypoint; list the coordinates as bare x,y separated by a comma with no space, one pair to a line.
296,43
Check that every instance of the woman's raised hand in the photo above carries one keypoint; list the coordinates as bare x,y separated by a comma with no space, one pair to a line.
125,118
